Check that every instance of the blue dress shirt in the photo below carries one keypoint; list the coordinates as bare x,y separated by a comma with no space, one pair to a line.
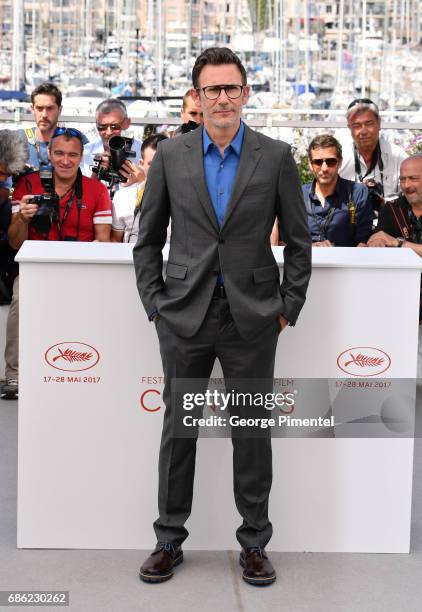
220,174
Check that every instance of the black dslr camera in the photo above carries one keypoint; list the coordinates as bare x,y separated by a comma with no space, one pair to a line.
48,203
376,193
120,150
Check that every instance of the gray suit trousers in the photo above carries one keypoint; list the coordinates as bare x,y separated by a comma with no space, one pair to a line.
194,358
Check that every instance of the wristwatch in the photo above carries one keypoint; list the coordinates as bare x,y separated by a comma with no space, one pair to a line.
400,242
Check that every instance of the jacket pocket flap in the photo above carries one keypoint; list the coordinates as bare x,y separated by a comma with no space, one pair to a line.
268,273
176,271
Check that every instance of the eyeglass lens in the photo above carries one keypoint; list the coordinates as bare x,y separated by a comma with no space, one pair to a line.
330,161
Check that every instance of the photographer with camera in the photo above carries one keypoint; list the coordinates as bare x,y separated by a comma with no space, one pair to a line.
127,202
59,205
371,159
111,120
400,223
13,155
63,205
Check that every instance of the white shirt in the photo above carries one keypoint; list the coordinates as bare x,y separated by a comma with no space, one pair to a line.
123,207
392,157
96,147
123,212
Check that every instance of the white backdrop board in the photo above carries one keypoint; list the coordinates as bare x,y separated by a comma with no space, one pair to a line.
90,409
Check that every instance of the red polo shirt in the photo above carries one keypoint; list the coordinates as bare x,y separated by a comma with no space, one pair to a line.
96,208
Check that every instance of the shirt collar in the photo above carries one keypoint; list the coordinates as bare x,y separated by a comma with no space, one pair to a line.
236,143
336,191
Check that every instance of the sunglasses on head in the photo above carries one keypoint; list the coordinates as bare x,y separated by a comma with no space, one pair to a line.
330,161
361,101
68,131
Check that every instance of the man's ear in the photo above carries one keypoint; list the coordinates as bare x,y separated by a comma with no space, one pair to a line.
245,94
126,123
195,97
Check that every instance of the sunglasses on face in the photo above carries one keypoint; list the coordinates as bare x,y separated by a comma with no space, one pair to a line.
330,161
114,127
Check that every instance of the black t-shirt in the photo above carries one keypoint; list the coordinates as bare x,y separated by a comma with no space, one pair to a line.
398,220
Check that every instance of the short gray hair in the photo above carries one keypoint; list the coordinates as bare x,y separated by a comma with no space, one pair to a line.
360,105
13,151
108,106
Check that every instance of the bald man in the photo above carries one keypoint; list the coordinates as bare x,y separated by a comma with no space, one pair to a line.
400,222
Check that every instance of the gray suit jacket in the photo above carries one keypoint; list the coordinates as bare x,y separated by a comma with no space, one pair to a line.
267,185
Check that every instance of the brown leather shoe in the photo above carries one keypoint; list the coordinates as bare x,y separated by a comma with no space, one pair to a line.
258,569
159,565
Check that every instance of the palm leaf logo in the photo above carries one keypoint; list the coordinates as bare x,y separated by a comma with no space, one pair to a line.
72,356
364,361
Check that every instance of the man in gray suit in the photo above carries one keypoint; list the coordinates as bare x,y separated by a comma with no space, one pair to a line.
222,186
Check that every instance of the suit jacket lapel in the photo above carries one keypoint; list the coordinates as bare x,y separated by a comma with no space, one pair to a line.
194,158
249,159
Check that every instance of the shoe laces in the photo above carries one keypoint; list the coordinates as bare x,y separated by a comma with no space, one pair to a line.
12,381
167,547
257,550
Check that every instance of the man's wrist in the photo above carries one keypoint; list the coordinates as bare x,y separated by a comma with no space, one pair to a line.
400,242
22,218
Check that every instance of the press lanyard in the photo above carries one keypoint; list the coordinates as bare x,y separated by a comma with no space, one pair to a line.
415,225
351,209
322,228
32,140
412,228
375,160
41,160
61,223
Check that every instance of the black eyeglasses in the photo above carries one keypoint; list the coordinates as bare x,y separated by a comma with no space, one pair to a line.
68,131
330,161
361,101
212,92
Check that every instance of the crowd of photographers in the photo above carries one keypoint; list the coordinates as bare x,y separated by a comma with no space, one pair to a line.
55,185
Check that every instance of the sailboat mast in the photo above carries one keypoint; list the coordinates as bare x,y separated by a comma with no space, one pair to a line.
18,67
